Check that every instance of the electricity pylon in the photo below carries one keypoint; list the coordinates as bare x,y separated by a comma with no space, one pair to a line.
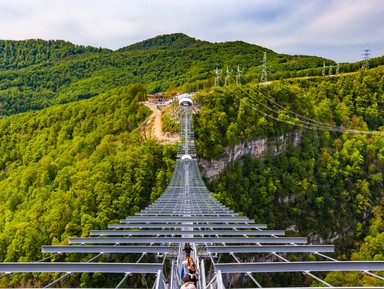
227,73
366,57
217,73
238,74
264,72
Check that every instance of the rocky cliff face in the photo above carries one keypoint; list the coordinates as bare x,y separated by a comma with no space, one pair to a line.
257,148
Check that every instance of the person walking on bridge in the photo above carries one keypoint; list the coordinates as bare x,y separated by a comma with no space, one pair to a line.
187,249
192,271
184,268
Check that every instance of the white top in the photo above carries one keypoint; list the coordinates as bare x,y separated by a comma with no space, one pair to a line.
188,157
184,265
185,101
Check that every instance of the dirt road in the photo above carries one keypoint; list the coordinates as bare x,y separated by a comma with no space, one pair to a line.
154,126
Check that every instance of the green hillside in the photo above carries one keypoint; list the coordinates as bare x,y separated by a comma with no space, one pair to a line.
168,42
35,74
73,158
317,110
75,167
20,54
330,186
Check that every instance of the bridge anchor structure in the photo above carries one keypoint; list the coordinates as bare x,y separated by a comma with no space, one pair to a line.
187,212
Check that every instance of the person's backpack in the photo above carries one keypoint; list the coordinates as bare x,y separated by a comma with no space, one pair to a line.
192,276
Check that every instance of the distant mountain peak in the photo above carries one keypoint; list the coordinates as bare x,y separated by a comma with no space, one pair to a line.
166,41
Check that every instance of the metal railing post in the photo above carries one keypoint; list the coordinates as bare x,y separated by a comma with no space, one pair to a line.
219,280
172,274
203,282
157,282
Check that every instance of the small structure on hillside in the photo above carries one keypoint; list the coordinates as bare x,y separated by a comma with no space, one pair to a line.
156,98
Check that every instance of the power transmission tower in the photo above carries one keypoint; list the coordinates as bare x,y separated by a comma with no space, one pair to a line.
217,73
323,71
227,73
174,105
238,74
366,57
264,72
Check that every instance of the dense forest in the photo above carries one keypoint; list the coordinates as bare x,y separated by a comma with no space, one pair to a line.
73,157
72,168
330,186
35,74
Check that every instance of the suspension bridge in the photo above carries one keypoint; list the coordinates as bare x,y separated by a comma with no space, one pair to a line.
187,212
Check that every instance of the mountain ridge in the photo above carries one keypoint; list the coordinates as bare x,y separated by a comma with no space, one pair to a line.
166,41
16,54
37,73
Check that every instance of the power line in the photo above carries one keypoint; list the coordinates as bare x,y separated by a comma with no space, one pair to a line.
306,123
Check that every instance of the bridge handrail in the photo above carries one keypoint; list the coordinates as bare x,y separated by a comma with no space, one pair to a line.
160,282
203,282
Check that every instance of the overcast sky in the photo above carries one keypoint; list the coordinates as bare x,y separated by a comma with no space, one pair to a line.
335,29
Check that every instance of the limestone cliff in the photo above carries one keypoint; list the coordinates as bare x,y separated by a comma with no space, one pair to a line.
257,148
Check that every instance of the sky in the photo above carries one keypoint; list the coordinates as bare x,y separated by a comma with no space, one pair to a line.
340,30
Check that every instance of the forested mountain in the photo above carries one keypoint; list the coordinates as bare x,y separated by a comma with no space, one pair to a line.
169,42
73,158
19,54
35,74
